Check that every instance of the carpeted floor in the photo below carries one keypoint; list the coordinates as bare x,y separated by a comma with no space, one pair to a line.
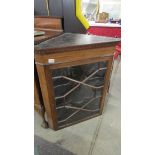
43,147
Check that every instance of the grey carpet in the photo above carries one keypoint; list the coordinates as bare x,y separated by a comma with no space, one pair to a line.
43,147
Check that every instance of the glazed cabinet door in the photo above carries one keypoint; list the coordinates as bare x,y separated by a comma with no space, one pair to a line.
75,92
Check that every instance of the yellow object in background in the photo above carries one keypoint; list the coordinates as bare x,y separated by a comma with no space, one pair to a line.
80,16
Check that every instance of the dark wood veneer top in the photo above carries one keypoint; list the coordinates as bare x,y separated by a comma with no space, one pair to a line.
74,41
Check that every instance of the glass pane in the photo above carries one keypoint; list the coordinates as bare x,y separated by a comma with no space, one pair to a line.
78,91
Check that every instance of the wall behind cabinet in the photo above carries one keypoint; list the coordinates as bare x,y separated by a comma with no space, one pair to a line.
71,23
55,8
40,8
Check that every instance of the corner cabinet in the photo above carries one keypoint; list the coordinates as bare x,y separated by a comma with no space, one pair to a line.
74,77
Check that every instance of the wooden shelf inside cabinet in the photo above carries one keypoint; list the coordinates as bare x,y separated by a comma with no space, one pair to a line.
74,72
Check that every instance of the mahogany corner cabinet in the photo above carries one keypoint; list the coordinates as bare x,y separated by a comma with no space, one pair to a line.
74,74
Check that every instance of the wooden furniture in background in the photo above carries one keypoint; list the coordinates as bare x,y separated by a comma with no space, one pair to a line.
74,73
52,27
64,9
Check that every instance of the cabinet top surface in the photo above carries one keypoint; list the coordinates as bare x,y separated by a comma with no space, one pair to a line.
71,41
